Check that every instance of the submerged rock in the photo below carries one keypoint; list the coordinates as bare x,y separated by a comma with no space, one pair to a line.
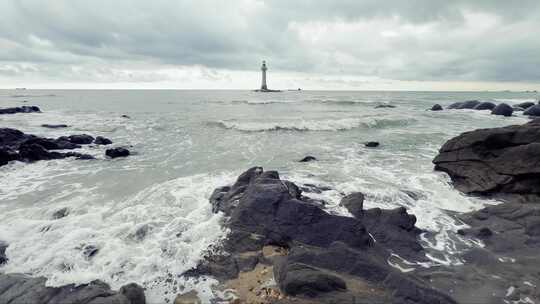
436,107
117,152
533,111
21,289
384,106
60,213
59,126
371,144
308,159
23,109
502,109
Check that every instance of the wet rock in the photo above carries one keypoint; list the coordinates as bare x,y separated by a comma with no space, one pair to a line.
60,213
502,109
498,160
3,257
125,116
371,144
59,126
23,109
382,106
100,140
117,152
533,111
34,152
81,139
191,297
89,251
7,154
300,279
470,104
455,105
436,107
525,105
354,202
308,158
486,105
134,293
21,289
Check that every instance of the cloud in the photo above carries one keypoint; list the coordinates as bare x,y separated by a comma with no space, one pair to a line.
417,40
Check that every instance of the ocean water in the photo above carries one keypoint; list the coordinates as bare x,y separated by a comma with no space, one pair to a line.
186,143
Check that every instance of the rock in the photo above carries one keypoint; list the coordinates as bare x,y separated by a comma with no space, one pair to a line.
54,126
102,141
3,257
7,154
81,139
21,289
34,152
486,105
300,279
134,293
308,158
125,116
455,105
470,104
371,144
191,297
498,160
60,213
436,107
354,202
502,109
533,111
23,109
117,152
384,106
89,251
525,105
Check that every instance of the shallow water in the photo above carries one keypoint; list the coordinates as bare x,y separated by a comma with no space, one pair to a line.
186,143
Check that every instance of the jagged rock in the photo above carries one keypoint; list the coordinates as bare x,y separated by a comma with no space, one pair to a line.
503,110
23,109
21,289
436,107
486,105
533,111
498,160
354,202
3,257
100,140
371,144
525,105
117,152
59,126
308,159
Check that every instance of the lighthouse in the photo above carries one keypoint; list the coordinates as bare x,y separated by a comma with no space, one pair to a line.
263,70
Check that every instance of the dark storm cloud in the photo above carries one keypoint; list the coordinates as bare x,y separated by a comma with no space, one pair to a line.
480,40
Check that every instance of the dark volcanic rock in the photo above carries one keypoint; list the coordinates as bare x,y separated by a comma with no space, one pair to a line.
384,106
308,159
117,152
502,109
533,111
100,140
525,105
455,105
23,109
436,107
354,202
60,213
326,253
54,126
81,139
498,160
21,289
3,257
486,105
7,154
470,104
371,144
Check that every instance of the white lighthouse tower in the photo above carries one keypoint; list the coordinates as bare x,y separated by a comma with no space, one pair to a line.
263,70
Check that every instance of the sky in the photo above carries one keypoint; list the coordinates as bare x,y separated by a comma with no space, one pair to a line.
311,44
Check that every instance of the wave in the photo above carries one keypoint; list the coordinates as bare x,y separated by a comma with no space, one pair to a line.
342,124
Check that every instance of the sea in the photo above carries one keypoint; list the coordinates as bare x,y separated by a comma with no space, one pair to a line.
186,143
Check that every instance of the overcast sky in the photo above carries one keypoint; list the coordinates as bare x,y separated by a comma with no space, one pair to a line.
313,44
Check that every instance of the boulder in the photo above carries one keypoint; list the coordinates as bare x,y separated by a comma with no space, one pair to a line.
455,105
436,107
81,139
117,152
533,111
100,140
23,109
308,158
502,109
486,105
525,105
497,160
470,104
371,144
3,256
